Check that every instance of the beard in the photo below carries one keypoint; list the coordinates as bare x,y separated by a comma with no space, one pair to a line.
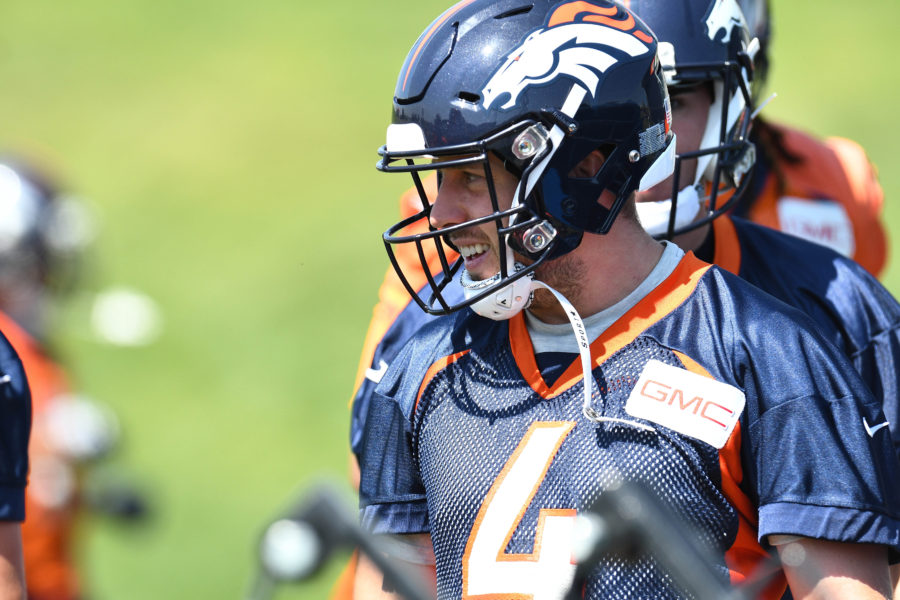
565,275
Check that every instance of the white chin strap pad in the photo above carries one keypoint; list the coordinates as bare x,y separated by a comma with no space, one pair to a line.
503,304
706,164
661,169
654,216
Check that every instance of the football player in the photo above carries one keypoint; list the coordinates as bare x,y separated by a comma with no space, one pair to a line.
855,311
42,235
15,421
849,306
716,170
824,190
494,426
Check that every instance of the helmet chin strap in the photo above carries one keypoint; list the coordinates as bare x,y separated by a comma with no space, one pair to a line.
506,302
654,216
584,350
511,299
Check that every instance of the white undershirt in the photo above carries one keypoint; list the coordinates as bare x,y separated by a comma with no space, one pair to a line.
547,337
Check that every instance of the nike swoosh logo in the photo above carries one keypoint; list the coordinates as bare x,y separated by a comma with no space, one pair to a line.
871,430
375,375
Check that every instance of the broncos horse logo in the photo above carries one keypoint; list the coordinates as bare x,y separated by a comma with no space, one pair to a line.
570,45
724,15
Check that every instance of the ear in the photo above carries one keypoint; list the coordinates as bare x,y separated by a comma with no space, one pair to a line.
589,165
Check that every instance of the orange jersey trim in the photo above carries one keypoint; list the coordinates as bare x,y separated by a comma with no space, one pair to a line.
836,169
746,557
433,370
392,295
727,252
657,304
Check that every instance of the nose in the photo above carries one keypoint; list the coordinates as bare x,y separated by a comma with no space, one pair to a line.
448,207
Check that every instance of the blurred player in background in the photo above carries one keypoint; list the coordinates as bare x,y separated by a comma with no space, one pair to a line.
43,235
716,169
15,427
823,190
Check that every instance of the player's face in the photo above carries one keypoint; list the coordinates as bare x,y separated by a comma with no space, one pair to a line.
690,109
463,196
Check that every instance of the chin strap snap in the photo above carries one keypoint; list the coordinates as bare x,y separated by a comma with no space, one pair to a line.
503,304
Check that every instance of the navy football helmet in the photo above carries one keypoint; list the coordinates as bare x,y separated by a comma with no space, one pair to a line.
539,85
705,42
757,13
43,234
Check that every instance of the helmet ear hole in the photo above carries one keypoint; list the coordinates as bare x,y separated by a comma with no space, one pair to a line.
590,165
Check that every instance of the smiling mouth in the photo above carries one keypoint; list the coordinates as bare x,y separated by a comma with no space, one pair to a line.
473,250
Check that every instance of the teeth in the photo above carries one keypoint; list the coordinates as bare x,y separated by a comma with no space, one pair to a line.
469,251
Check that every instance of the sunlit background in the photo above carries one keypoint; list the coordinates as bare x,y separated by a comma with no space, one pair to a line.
228,149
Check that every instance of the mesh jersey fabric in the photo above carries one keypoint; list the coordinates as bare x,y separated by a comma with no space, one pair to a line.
851,308
461,396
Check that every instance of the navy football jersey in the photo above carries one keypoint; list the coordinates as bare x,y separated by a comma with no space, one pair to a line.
15,430
756,428
410,320
849,306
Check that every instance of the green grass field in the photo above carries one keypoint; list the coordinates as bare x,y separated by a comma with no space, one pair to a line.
229,148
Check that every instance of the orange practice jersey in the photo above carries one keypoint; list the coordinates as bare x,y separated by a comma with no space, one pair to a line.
392,296
830,196
49,497
392,299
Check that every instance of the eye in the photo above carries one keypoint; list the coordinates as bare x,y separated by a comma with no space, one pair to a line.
473,177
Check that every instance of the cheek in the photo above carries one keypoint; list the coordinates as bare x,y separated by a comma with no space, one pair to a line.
660,191
505,185
689,125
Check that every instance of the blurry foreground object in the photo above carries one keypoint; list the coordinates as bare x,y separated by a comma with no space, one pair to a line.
298,543
44,234
122,316
627,521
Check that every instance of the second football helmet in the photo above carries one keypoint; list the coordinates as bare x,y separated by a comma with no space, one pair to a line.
704,42
540,85
759,22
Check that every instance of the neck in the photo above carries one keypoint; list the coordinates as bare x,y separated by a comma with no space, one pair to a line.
599,273
692,240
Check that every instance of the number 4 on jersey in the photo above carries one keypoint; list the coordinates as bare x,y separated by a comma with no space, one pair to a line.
546,573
